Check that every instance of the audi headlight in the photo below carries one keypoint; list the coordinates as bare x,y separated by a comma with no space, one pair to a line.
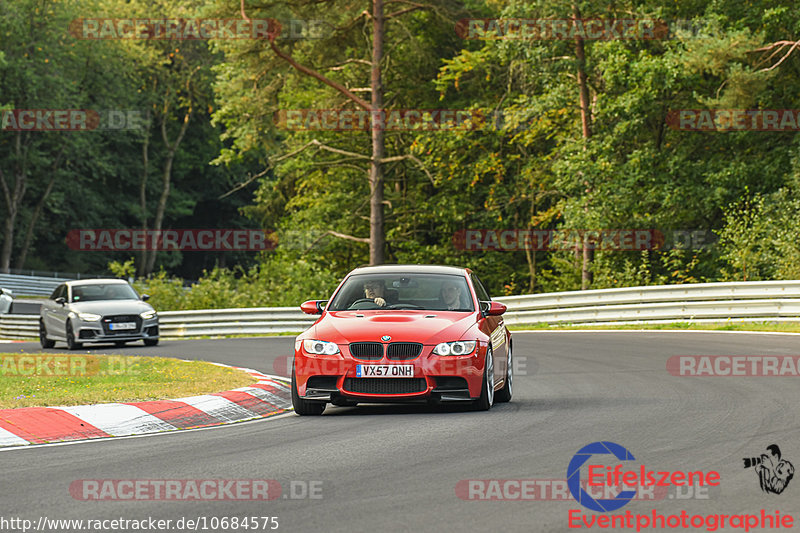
454,348
320,347
148,314
89,317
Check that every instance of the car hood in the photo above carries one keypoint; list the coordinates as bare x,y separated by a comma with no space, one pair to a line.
428,327
111,307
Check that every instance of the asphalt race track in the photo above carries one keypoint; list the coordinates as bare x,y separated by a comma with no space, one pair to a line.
396,468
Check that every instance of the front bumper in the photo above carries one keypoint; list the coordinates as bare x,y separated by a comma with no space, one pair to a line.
436,378
95,332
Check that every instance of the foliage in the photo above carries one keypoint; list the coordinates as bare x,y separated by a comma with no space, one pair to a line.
535,169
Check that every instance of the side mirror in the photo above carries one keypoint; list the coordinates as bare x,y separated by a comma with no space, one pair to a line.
7,291
493,308
313,307
145,297
61,300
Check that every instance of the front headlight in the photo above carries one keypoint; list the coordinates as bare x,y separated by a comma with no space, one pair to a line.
320,347
148,314
454,348
89,317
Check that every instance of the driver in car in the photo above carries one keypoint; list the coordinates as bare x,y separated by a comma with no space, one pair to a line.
375,290
451,295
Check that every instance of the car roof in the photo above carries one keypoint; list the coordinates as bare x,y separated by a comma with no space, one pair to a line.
105,281
411,269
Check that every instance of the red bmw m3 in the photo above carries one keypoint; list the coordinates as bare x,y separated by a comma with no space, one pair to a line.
400,333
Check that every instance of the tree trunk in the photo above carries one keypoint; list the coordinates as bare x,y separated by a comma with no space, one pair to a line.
377,237
143,193
13,200
23,255
8,240
26,244
530,251
586,125
166,178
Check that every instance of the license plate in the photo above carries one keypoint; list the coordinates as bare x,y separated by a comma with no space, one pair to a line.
385,371
122,325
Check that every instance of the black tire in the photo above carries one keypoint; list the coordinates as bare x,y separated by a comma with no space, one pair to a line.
304,407
504,394
486,399
150,342
43,340
71,343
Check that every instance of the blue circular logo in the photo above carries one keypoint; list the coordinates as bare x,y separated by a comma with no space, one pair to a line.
386,338
574,476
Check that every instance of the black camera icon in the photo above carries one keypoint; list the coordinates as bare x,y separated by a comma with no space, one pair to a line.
750,462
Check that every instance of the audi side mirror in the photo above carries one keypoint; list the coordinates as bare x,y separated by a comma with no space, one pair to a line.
61,300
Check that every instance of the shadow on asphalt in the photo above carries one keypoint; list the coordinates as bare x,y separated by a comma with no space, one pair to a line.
410,409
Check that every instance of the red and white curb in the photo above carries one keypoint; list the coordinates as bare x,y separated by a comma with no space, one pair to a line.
39,425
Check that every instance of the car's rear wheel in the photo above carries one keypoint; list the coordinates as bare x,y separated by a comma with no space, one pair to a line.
486,399
71,343
504,394
304,407
43,340
150,342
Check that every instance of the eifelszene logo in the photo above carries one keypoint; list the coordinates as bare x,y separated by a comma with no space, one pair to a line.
574,476
600,475
774,473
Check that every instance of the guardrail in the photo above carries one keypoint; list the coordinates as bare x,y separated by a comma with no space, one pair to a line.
30,285
177,324
697,302
701,302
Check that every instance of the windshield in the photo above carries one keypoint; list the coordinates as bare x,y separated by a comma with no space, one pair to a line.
97,292
430,292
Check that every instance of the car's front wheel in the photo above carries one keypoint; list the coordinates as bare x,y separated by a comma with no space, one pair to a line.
72,344
150,342
486,399
43,340
504,394
304,407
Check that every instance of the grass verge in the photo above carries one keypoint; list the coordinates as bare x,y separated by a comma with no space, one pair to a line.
33,380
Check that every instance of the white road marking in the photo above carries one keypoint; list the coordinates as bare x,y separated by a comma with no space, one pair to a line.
119,419
219,407
9,439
